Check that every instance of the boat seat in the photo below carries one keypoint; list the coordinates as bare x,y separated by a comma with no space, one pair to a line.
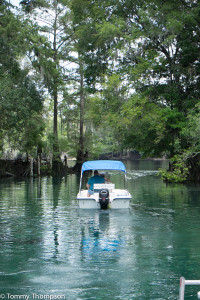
98,186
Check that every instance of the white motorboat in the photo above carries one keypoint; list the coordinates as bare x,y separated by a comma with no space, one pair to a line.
105,195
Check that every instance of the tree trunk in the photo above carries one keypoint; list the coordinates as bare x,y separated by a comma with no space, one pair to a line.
38,164
81,138
56,162
31,167
80,152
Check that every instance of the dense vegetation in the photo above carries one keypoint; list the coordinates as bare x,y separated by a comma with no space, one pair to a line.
92,76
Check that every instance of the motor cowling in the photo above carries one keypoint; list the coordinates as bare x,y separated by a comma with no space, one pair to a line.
104,198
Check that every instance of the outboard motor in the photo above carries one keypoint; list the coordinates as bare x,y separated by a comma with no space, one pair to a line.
104,198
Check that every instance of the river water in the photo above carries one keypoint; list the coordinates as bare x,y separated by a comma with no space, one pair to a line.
50,248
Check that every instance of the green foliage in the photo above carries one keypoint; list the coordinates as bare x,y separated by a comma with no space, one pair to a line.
143,127
21,102
179,172
136,70
158,65
191,132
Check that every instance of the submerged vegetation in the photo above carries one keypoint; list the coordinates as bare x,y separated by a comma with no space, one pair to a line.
85,77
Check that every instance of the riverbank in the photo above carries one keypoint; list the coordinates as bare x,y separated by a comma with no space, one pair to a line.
14,168
23,168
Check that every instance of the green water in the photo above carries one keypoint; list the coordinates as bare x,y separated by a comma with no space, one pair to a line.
50,248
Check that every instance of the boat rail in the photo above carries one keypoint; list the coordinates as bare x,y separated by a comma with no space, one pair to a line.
183,283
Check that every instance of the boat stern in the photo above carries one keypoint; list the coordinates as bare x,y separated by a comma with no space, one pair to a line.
87,202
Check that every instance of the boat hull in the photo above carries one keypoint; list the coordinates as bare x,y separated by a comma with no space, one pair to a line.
93,202
88,204
120,203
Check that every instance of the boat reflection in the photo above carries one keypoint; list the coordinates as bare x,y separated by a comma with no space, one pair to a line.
98,236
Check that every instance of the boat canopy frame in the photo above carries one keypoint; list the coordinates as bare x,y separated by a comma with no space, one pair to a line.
111,165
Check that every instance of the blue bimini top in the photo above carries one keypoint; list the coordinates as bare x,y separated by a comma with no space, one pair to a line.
103,165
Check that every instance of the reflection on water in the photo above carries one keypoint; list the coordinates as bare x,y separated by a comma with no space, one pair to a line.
49,246
94,238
